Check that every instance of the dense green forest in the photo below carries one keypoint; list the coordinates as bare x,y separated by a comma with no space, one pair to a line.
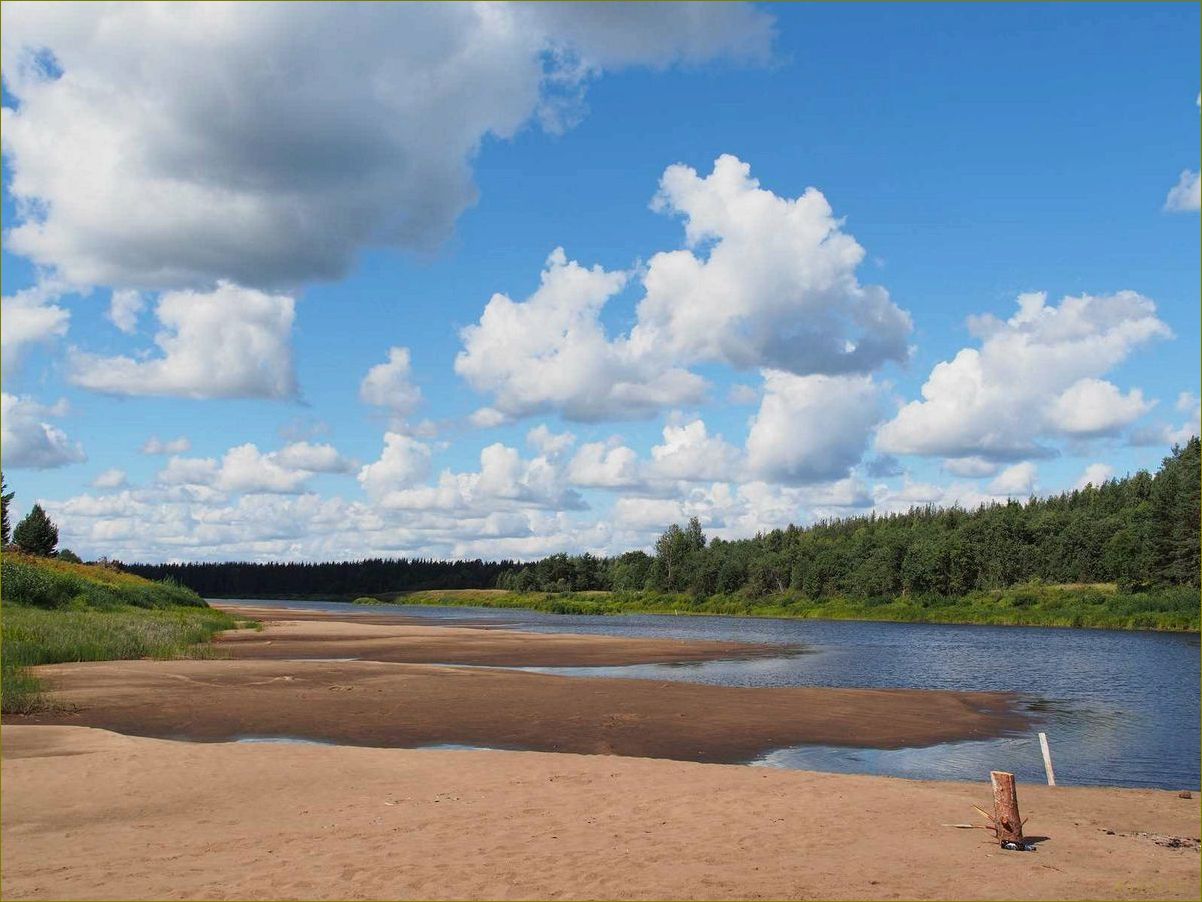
237,579
1140,532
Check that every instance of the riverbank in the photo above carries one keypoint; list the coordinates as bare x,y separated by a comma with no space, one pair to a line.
92,814
1099,606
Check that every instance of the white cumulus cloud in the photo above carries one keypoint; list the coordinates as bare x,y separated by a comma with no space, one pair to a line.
811,428
247,470
1035,376
232,342
155,445
1017,480
113,478
389,385
27,317
171,146
550,352
125,306
29,440
1186,195
1095,475
764,281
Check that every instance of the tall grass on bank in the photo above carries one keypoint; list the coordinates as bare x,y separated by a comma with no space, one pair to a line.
1033,604
33,636
54,612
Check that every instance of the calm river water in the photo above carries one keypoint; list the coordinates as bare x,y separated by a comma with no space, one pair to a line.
1119,708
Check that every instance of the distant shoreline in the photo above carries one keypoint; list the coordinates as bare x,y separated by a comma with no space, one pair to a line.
1036,605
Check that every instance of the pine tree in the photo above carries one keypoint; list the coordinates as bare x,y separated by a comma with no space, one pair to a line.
36,534
5,497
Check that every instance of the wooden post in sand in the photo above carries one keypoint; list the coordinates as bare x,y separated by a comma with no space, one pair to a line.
1047,758
1006,820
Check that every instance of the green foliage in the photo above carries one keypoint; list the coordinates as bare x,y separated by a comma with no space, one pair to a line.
20,690
1141,533
5,498
367,599
55,583
36,534
66,554
343,579
35,636
1031,604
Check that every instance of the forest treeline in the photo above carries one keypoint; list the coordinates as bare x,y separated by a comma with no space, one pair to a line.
239,579
1141,532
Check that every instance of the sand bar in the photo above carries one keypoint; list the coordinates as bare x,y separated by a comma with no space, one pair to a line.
407,705
316,634
90,814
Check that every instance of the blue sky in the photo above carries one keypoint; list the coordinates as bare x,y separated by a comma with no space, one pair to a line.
974,152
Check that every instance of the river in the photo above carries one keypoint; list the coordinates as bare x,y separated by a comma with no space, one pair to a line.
1120,708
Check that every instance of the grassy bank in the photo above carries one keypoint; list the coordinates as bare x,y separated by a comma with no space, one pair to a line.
54,611
1035,604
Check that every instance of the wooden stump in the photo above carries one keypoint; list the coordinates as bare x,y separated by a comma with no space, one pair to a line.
1006,819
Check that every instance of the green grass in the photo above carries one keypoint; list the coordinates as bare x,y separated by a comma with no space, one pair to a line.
55,612
1035,604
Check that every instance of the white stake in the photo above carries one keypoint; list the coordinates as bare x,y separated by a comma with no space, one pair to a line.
1047,758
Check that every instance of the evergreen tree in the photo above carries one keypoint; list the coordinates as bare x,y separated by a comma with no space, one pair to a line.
36,534
5,497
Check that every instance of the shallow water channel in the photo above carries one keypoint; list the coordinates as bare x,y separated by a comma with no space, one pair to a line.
1120,708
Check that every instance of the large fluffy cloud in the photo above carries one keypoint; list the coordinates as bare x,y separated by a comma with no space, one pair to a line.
765,281
550,352
266,143
232,342
1036,376
29,440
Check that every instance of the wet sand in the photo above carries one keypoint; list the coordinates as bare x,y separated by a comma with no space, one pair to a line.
406,705
315,634
95,815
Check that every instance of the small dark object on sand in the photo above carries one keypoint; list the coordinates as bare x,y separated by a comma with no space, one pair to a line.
1185,794
1019,847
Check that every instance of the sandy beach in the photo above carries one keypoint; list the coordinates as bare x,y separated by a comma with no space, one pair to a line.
102,800
91,814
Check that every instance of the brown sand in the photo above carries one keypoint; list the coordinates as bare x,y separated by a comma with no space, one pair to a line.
94,815
406,705
290,634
